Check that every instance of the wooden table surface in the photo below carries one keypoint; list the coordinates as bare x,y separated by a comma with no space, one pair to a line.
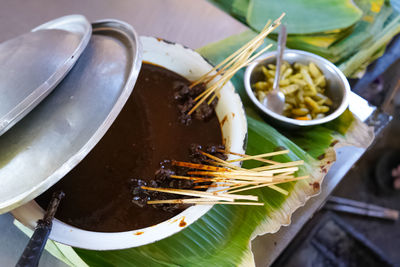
192,23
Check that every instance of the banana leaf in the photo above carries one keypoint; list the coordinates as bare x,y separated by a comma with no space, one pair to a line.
239,8
236,8
344,43
367,51
352,48
225,5
304,16
222,237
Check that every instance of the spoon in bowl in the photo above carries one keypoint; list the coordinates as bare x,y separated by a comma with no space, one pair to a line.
275,100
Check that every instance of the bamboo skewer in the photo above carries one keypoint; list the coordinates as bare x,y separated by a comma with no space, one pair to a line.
181,200
230,203
223,162
234,179
243,155
225,173
278,189
244,184
228,67
270,154
243,175
197,166
283,170
263,185
274,187
230,59
265,31
188,193
210,186
222,196
208,202
280,165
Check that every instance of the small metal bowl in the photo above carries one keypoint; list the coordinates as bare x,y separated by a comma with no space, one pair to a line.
338,88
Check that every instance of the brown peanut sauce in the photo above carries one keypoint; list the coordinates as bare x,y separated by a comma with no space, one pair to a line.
146,132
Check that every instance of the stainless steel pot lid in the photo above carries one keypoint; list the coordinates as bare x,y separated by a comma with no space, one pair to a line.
55,136
34,63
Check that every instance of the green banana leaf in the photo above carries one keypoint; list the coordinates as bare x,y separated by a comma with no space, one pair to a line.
380,39
236,8
304,16
343,43
225,5
222,236
352,47
239,7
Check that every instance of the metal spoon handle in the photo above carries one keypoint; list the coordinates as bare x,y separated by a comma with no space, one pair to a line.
279,56
31,255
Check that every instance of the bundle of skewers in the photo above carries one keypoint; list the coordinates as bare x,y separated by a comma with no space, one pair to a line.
216,78
226,179
223,179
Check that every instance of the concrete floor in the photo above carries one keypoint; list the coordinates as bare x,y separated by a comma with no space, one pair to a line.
358,185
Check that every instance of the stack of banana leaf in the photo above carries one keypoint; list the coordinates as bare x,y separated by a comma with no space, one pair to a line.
350,34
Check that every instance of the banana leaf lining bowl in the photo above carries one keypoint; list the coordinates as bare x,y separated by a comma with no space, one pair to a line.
231,115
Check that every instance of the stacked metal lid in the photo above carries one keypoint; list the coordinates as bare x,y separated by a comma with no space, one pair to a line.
61,87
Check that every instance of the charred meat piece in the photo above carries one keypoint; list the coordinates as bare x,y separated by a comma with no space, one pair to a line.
197,157
162,178
185,97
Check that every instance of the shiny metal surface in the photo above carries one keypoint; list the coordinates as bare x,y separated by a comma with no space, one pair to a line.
275,100
63,128
338,87
34,63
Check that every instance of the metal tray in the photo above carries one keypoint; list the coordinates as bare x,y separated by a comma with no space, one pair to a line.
34,63
53,138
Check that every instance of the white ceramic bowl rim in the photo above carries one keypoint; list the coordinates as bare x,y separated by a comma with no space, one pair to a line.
341,108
